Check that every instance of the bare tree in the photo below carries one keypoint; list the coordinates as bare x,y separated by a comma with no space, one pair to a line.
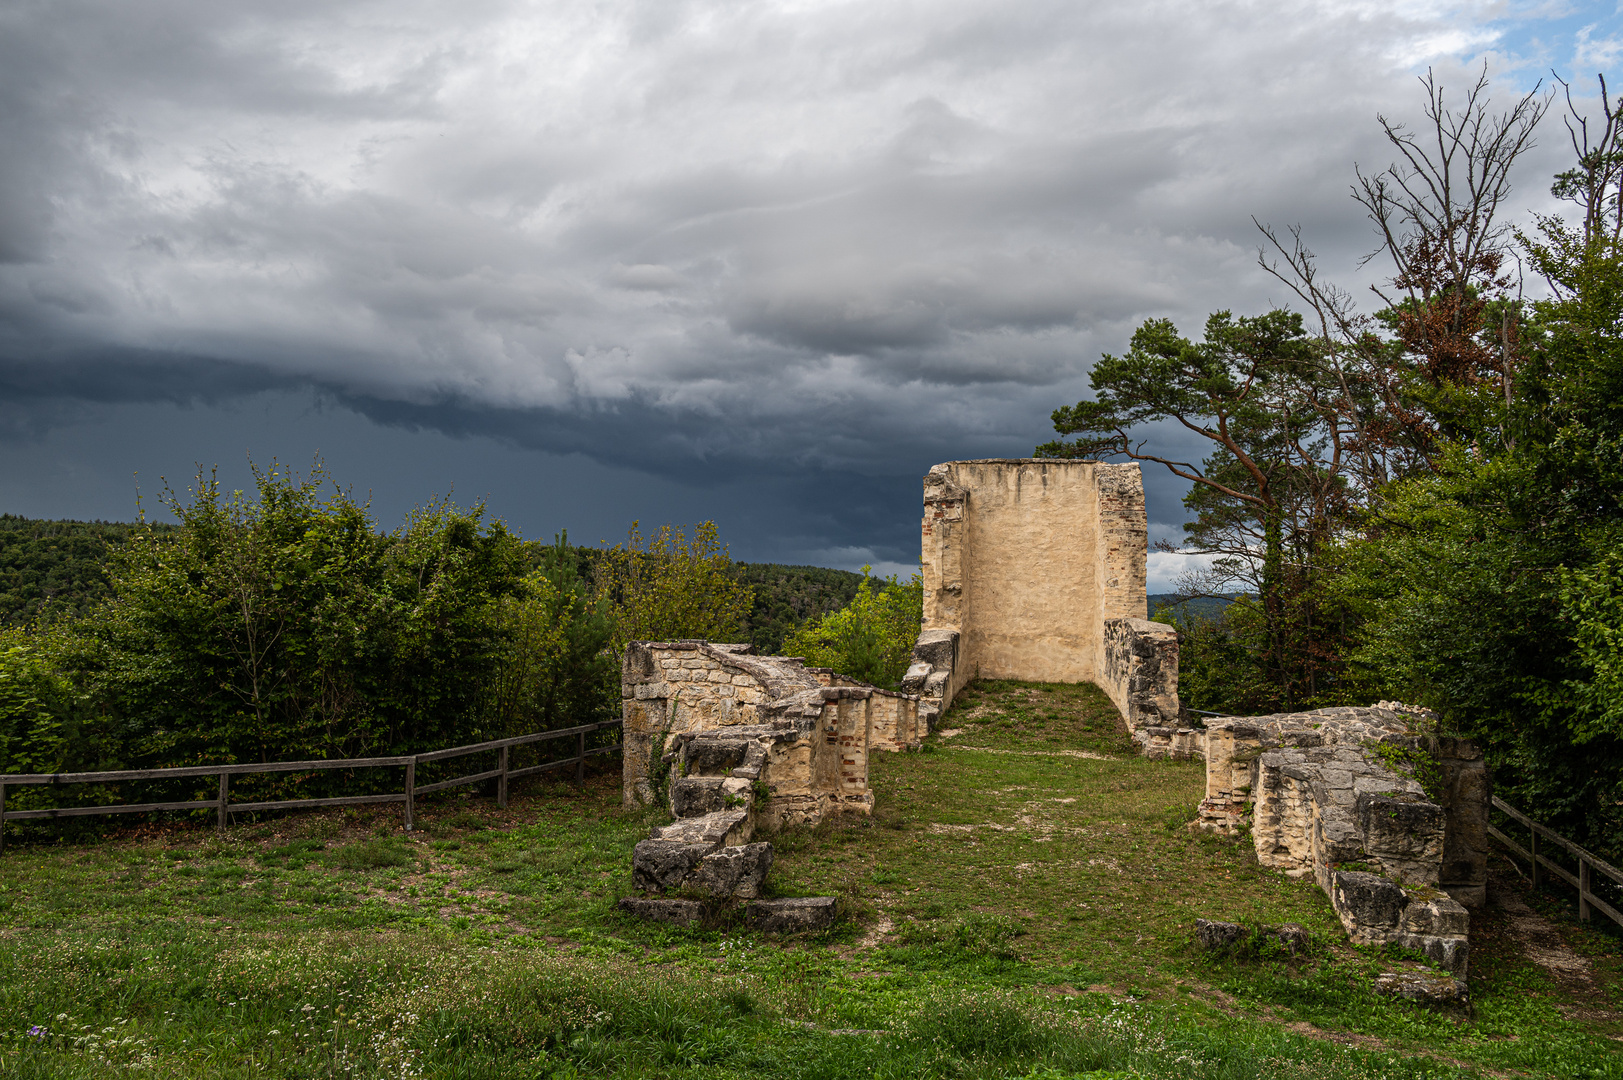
1453,299
1595,186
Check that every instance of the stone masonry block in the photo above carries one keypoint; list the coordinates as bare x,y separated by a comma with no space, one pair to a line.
656,909
714,756
1438,916
657,865
695,795
1218,935
1366,902
795,915
735,873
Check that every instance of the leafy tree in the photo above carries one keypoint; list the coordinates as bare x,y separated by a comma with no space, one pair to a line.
283,624
872,638
787,596
668,587
1492,589
556,669
33,706
1271,494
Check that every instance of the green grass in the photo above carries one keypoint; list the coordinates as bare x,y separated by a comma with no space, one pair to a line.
1014,909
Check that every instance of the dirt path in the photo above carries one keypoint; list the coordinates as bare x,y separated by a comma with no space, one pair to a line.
1538,937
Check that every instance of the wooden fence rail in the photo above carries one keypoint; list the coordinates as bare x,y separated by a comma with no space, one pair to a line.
223,805
1587,862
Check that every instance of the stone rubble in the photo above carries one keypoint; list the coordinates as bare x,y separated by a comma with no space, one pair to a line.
1322,800
734,739
1435,990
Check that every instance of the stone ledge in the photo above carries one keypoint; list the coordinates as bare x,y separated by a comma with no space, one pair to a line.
674,912
1434,990
789,916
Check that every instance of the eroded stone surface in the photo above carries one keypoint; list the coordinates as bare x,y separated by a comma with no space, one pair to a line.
714,829
790,916
1025,561
1433,989
1327,796
1218,935
734,873
1292,937
661,865
674,911
1373,903
694,711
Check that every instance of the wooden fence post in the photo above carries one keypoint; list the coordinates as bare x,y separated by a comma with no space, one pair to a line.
1583,890
580,758
225,793
501,783
411,789
1532,850
2,817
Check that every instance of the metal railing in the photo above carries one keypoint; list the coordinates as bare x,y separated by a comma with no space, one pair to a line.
1587,863
223,805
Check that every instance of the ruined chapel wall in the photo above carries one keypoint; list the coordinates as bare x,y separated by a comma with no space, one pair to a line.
1026,558
1140,673
670,688
815,726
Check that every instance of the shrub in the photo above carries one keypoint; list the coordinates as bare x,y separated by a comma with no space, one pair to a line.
668,587
872,638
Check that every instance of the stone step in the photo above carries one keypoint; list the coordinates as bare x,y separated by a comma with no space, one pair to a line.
793,915
657,909
658,865
734,873
721,828
694,796
722,873
714,756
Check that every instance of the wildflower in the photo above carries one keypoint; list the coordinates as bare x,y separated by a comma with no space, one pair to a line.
36,1031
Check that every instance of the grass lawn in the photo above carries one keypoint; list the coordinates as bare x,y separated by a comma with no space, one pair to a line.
1019,905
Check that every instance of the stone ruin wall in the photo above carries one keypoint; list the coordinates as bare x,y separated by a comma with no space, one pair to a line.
816,726
1034,569
1323,801
731,740
1028,564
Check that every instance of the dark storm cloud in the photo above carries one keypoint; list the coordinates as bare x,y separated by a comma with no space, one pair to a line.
826,244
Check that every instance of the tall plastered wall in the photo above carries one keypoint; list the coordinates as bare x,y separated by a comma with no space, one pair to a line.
1025,558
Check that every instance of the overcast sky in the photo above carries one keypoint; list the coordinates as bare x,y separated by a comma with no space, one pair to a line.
594,261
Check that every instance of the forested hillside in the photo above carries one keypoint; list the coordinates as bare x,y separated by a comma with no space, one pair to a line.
1183,606
55,569
787,596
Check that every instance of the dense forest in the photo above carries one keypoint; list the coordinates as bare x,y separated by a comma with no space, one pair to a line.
55,569
51,570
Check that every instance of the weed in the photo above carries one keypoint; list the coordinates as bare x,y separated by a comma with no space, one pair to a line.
370,855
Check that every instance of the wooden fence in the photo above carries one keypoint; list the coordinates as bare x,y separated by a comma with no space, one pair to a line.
1587,863
223,806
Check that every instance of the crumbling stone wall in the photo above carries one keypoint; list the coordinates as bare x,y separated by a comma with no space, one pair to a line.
1141,676
1024,562
1327,794
813,727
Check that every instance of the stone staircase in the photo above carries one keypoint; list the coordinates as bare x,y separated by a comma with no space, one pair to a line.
706,852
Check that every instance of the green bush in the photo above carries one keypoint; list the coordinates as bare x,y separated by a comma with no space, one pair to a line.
872,638
283,623
33,700
668,587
